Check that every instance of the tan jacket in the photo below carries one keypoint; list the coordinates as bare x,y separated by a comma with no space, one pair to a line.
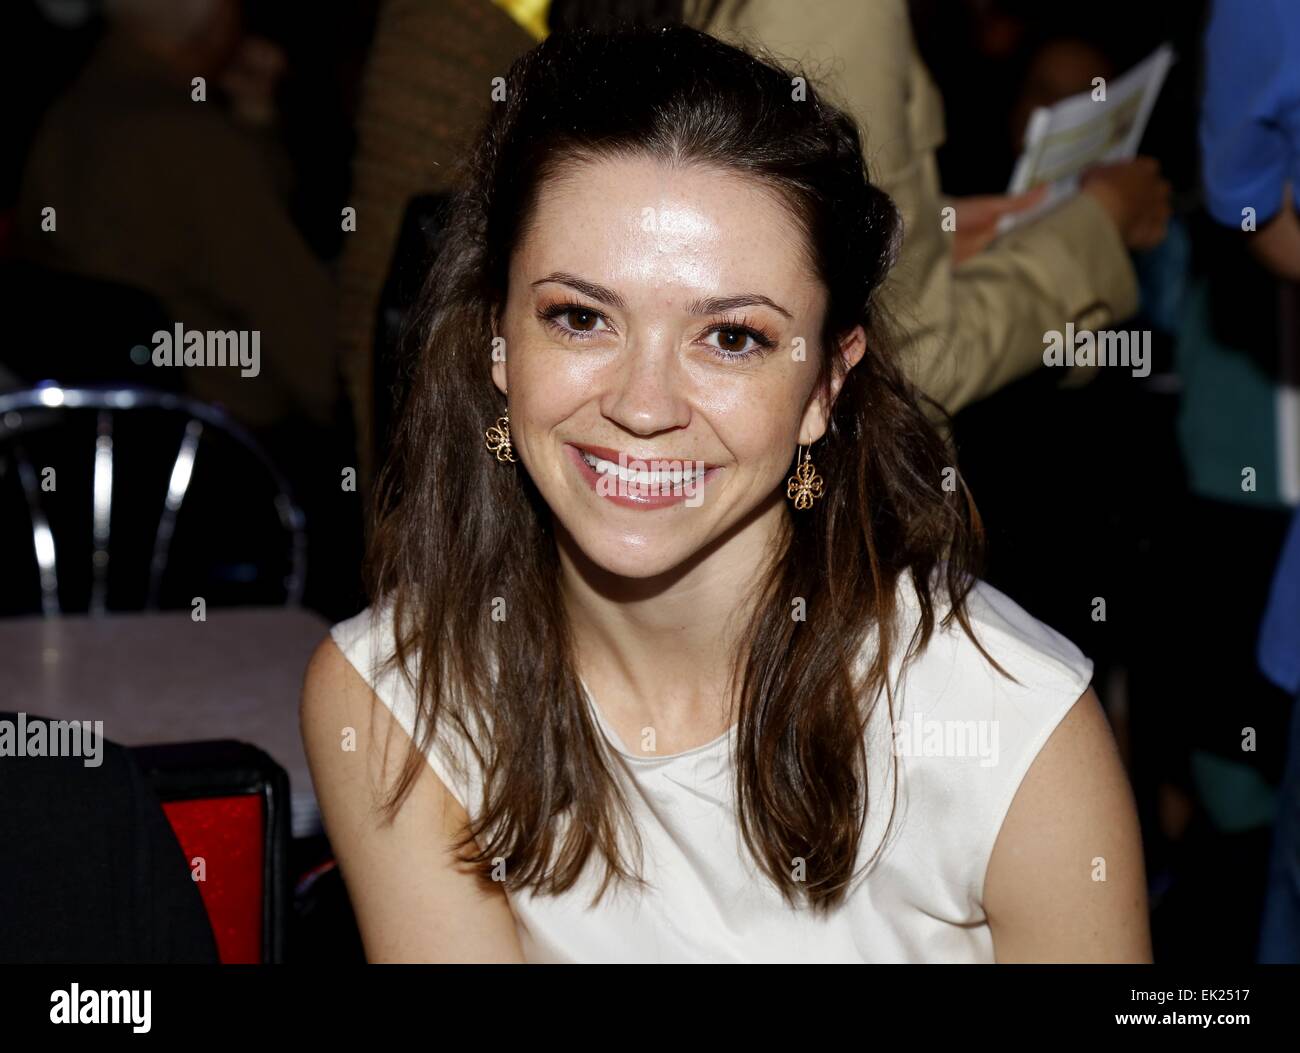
969,330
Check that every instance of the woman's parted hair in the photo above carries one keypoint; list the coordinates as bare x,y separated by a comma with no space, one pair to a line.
455,533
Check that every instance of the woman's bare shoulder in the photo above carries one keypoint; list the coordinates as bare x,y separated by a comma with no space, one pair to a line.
413,899
1066,879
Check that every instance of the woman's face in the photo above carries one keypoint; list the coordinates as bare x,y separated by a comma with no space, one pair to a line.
661,358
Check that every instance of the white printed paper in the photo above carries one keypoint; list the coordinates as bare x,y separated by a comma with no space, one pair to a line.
1064,140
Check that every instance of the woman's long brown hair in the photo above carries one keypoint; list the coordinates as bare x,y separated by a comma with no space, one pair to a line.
456,533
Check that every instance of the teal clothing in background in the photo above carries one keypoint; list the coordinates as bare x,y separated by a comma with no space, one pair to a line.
1228,417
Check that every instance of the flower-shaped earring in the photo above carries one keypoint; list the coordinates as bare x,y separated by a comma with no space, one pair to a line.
498,439
805,486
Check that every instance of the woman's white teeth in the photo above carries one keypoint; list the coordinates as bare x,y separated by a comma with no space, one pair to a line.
669,472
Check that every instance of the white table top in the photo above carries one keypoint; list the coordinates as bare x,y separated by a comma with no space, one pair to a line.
159,677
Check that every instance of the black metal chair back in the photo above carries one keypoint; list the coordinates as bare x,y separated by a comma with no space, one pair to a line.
27,414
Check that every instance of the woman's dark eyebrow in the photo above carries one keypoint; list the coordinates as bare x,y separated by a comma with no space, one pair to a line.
712,305
723,304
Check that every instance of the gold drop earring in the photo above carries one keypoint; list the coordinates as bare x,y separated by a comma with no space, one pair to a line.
805,486
498,439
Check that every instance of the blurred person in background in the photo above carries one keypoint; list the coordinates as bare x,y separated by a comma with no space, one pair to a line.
184,199
1250,142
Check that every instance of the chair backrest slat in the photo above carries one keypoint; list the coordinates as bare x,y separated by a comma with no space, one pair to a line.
42,536
178,485
102,512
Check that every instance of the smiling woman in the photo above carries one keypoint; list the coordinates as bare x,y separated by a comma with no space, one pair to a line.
634,725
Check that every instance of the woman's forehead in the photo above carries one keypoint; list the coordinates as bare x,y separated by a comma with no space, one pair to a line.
648,225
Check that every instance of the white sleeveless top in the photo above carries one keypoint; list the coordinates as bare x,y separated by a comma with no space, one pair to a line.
963,736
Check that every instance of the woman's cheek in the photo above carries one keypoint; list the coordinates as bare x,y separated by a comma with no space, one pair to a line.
549,385
753,414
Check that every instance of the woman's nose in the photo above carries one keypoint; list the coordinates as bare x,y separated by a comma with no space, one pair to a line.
645,393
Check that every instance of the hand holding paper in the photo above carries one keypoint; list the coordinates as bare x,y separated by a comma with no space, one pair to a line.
1136,198
977,219
1087,130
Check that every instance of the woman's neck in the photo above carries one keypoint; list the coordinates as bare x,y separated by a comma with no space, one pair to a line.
666,645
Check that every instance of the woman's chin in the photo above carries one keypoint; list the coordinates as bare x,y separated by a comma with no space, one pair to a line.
641,555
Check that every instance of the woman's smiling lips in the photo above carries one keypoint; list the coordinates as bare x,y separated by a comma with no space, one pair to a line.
640,482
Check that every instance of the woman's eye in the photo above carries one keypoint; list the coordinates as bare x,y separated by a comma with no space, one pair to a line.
734,341
583,321
575,320
738,342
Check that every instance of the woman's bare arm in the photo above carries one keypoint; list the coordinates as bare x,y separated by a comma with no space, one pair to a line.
1073,815
413,903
